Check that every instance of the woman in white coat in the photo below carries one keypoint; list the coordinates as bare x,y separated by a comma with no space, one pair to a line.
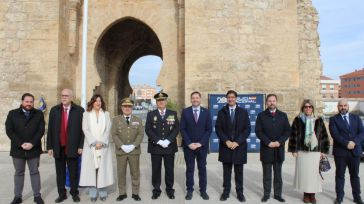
96,167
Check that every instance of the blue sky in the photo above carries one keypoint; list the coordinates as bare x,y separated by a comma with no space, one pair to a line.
341,31
145,70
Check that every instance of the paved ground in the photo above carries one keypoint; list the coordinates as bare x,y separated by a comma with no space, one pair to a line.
252,182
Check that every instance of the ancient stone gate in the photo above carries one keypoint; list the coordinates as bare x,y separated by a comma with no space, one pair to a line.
252,46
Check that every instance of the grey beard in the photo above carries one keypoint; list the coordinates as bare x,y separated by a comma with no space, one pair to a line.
343,112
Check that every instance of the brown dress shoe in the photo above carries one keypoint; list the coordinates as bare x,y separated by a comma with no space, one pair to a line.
312,198
306,198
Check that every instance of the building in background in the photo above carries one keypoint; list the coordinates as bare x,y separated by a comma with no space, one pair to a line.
330,88
352,84
143,92
42,40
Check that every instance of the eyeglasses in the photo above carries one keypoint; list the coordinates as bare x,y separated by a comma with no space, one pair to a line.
307,106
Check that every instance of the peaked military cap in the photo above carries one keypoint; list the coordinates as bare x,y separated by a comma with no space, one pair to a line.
127,102
160,96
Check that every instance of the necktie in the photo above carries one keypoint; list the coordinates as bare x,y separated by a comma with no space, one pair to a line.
127,120
162,114
27,114
65,115
273,113
64,130
232,115
346,122
195,116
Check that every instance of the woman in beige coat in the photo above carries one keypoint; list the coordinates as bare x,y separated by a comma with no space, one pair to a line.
96,168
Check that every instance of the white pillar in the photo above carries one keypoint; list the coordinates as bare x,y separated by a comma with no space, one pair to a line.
84,54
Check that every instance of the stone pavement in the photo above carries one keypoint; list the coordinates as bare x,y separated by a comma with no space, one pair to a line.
252,182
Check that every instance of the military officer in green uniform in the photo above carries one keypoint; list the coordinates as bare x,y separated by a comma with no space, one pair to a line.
162,129
127,132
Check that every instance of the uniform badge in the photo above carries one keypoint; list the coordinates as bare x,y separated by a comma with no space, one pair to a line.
170,120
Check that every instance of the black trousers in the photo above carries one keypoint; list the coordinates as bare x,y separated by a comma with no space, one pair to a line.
239,172
168,160
72,164
267,178
353,164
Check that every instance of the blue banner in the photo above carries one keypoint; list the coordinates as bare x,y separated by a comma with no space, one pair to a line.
253,103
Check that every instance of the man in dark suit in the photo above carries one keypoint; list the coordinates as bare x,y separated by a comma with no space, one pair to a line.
65,142
232,129
347,132
273,129
162,129
25,129
196,128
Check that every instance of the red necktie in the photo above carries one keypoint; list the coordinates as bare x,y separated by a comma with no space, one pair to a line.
65,117
273,113
64,133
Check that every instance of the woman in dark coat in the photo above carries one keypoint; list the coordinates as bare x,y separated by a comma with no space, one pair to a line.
308,143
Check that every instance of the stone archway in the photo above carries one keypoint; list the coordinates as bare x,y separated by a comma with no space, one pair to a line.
120,45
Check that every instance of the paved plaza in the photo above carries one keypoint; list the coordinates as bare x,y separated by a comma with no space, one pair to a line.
252,182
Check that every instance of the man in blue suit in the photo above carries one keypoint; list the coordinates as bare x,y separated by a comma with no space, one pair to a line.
196,128
348,132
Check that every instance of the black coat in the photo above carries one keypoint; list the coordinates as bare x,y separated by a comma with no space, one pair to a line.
272,129
160,129
75,133
297,137
21,130
238,131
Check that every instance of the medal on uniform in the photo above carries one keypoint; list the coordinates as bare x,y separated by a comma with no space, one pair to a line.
170,120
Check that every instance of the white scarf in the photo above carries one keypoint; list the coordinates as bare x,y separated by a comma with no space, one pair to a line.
97,126
310,135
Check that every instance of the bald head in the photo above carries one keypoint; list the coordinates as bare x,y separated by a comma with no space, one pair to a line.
66,97
343,106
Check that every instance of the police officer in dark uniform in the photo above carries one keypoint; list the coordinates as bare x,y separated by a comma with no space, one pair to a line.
162,129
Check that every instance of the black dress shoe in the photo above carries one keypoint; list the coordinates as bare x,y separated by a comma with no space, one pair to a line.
16,200
337,201
188,195
93,199
280,199
121,197
155,196
60,199
205,196
170,195
241,198
224,197
265,199
76,198
38,200
359,201
136,197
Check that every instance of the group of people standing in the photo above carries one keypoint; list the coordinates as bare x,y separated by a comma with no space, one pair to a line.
74,133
